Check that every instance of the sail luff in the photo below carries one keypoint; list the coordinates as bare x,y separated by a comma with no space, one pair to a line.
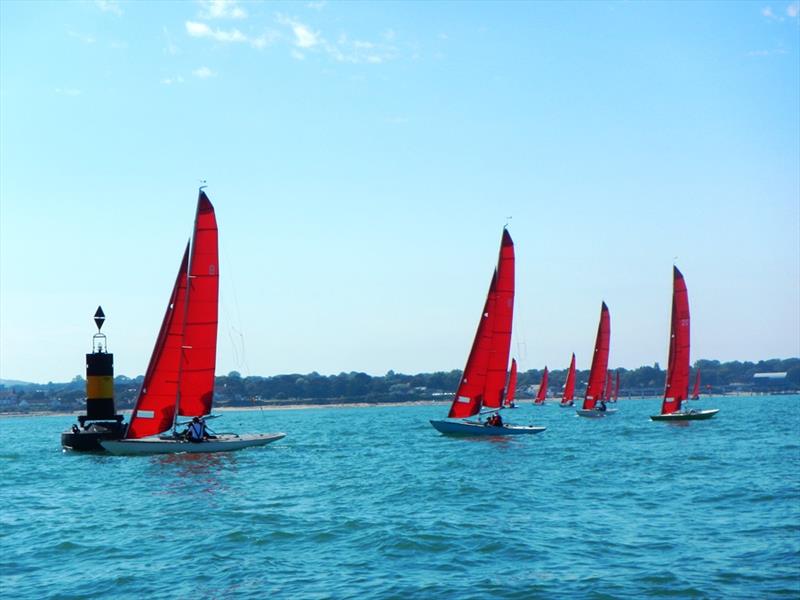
511,390
501,325
160,385
595,388
569,386
677,382
469,395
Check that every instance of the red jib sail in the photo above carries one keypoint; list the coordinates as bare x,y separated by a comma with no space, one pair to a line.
542,393
597,374
154,410
569,386
696,390
511,390
199,356
616,388
501,325
469,395
677,385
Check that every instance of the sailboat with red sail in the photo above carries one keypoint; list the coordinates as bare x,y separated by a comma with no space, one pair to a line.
483,384
595,390
616,387
542,393
568,397
608,395
696,389
677,385
179,381
511,389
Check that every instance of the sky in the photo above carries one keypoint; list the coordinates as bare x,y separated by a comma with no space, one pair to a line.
363,159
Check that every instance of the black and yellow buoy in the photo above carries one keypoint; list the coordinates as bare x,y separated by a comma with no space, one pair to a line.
101,421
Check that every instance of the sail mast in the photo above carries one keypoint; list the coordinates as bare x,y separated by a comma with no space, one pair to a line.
595,388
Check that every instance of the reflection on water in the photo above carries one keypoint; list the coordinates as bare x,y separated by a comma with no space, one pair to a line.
194,473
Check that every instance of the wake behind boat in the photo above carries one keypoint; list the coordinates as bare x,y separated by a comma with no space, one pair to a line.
484,381
180,376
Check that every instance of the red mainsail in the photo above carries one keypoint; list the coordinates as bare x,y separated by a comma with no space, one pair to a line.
154,410
677,385
199,356
542,393
597,375
469,395
181,369
511,390
501,325
696,390
569,386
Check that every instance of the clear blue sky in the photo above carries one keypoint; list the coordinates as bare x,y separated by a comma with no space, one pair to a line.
363,159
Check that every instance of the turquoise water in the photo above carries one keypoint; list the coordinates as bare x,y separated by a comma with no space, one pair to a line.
374,503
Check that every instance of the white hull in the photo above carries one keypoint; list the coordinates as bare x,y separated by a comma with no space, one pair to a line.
475,428
692,415
168,445
594,413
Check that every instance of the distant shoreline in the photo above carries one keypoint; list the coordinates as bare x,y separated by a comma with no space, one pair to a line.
224,409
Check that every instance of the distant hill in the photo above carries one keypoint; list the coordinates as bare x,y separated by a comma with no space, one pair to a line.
10,382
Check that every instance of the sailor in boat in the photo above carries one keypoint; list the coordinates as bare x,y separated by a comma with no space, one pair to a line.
602,407
494,421
197,430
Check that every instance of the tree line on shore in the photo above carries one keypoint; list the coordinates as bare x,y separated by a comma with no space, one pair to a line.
235,390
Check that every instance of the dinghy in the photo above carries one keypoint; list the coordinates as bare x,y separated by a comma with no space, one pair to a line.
484,380
180,377
677,386
597,376
568,398
542,393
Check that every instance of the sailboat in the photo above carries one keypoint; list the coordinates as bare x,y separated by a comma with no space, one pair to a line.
677,385
179,381
613,395
696,389
568,398
599,372
542,393
608,395
483,382
511,390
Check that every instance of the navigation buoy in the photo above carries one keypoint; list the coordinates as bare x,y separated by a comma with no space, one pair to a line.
101,421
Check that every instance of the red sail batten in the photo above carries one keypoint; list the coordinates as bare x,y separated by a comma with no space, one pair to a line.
501,325
511,390
569,386
469,395
677,384
160,386
542,393
597,375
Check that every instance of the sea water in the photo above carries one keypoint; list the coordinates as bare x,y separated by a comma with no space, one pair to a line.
374,503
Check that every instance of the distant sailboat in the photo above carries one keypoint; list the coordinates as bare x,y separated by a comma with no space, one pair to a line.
597,376
511,390
568,398
180,377
608,395
696,390
616,388
541,395
484,379
677,385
